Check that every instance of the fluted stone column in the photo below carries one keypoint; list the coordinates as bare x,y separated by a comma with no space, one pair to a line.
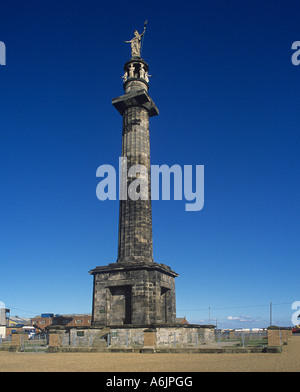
135,221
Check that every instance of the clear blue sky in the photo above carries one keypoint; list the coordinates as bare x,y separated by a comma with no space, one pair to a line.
228,96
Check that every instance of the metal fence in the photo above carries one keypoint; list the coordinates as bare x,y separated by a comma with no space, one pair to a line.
38,343
5,341
241,338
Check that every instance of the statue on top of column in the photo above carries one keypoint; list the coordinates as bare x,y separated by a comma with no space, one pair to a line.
136,42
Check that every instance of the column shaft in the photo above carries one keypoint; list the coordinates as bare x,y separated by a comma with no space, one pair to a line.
135,219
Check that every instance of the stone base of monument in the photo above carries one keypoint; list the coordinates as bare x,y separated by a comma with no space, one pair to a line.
130,338
133,292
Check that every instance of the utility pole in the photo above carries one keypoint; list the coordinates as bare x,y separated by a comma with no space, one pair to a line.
270,313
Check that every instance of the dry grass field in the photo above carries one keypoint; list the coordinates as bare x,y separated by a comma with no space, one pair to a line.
287,361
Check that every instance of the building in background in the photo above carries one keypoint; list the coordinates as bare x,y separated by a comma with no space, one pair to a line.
45,319
41,323
182,320
3,312
15,324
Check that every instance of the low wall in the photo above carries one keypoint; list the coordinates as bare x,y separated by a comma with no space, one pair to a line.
278,336
134,337
183,337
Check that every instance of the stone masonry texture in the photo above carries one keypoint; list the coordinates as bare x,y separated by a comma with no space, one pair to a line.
135,221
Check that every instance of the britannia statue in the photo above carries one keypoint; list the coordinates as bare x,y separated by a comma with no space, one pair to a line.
136,42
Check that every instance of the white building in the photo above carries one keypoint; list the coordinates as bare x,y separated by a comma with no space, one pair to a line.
2,331
3,312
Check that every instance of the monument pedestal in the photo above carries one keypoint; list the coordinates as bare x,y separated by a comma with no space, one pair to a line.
137,293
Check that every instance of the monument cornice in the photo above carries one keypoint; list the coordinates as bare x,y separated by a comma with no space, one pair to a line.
129,266
136,98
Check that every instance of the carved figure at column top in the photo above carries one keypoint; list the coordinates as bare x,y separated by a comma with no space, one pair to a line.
147,77
131,70
142,72
136,43
125,76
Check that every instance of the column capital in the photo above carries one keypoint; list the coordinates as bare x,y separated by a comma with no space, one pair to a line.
136,98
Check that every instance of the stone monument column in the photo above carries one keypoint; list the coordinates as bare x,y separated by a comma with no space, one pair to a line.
136,106
134,290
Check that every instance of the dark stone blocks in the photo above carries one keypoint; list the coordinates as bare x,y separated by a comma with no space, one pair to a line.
133,293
